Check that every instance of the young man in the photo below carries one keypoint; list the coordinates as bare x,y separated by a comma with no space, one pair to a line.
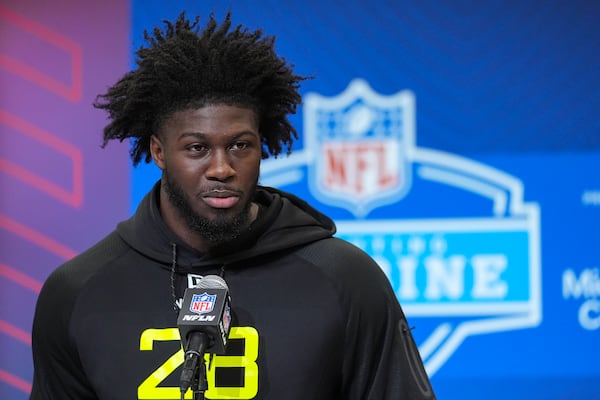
313,316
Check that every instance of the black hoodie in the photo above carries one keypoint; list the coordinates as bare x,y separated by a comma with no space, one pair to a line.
314,317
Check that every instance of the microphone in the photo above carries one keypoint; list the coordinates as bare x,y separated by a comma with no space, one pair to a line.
203,322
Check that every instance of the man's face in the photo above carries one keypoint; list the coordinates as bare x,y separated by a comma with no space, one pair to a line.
210,159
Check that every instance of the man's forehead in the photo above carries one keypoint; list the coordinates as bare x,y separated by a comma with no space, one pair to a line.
211,119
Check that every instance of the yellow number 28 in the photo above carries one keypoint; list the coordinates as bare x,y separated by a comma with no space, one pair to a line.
150,389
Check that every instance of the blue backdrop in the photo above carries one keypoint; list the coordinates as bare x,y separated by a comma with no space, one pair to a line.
459,144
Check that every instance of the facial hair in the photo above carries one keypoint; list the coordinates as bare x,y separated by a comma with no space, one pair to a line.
217,230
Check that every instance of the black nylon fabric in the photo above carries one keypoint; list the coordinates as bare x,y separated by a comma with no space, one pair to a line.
313,316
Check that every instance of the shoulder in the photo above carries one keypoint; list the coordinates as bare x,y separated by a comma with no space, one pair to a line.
63,285
354,272
57,366
340,256
75,272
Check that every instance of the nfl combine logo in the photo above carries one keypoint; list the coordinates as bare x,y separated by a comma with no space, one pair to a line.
459,275
363,140
202,303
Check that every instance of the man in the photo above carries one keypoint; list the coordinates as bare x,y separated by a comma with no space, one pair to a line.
313,316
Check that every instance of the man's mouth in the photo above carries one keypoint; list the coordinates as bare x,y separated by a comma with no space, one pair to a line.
221,198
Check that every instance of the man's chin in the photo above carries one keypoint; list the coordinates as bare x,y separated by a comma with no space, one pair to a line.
223,226
215,225
217,233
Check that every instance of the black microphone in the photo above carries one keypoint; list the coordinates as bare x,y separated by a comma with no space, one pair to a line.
203,323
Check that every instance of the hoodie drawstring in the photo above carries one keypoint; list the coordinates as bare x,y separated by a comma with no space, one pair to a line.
176,307
173,265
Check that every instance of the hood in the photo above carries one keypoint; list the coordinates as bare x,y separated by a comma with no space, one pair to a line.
284,221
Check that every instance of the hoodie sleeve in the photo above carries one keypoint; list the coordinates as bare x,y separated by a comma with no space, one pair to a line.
58,373
381,358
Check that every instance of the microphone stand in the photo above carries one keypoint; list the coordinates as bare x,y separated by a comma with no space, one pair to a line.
200,384
193,375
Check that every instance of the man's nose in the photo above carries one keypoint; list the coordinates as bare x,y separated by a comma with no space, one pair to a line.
220,167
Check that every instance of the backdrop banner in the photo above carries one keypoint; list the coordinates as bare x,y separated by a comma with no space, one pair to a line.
458,143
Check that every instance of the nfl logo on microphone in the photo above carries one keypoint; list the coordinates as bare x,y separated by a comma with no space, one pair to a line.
202,303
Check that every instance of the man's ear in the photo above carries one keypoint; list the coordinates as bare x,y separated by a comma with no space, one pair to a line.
157,151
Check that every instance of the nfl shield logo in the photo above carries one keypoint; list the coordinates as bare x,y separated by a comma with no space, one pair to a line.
202,303
361,143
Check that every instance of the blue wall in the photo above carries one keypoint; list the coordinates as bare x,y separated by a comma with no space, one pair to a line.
457,142
483,115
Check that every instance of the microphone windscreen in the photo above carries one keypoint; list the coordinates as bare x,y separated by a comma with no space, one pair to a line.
212,282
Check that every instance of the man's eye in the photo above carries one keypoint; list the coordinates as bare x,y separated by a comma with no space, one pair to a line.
196,147
240,145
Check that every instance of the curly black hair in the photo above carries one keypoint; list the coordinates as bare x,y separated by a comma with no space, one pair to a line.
182,68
